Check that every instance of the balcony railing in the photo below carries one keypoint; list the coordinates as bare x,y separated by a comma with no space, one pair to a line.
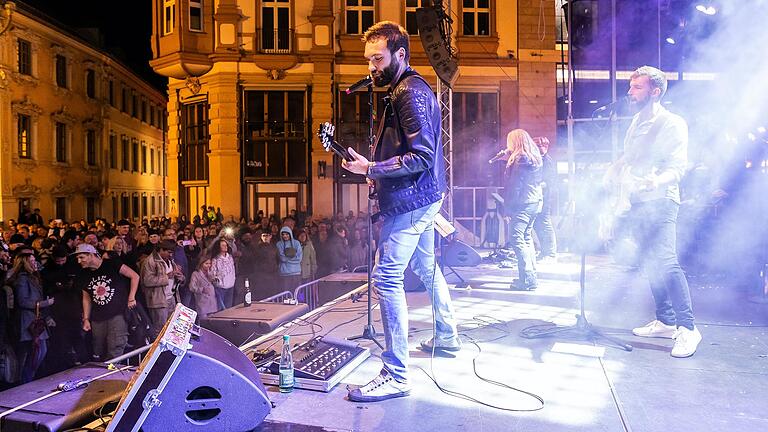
275,41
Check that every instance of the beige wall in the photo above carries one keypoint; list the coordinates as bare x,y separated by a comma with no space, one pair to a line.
41,178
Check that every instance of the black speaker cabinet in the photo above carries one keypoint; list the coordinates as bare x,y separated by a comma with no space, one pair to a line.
64,410
192,380
240,323
445,66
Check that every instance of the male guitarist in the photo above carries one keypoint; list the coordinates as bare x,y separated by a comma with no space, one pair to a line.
409,172
655,154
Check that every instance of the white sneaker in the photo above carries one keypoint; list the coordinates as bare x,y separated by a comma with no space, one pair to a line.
381,388
686,342
655,329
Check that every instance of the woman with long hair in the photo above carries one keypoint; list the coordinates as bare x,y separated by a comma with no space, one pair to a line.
522,203
223,270
205,294
28,291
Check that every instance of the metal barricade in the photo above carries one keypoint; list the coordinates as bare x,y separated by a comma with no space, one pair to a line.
281,297
308,293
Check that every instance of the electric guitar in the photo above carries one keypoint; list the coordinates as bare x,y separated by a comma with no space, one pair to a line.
329,144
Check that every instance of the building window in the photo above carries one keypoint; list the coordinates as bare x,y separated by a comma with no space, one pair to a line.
125,206
196,15
153,205
61,142
476,17
124,100
275,26
112,93
61,71
90,147
359,15
169,16
152,161
136,212
144,206
152,115
61,208
24,125
25,57
126,154
195,141
90,83
143,159
113,151
90,209
276,144
135,106
410,14
135,155
144,111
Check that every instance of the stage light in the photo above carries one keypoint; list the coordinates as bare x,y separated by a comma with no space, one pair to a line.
671,40
706,10
761,129
593,101
751,136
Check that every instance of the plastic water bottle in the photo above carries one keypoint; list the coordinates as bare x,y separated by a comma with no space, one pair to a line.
247,301
286,366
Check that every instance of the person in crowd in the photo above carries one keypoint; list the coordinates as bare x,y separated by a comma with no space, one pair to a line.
338,249
523,200
223,272
266,267
289,253
655,159
67,346
201,286
358,250
124,232
542,225
409,172
159,277
308,258
246,265
28,294
179,257
108,288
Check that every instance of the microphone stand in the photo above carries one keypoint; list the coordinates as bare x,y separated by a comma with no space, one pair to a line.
369,332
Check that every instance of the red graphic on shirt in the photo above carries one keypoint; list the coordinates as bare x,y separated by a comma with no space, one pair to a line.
101,290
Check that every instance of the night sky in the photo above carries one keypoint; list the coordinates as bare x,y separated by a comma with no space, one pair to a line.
126,28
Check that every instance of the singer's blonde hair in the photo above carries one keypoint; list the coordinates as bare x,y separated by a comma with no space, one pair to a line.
519,142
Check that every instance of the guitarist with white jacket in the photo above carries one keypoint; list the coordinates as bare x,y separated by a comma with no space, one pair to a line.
655,157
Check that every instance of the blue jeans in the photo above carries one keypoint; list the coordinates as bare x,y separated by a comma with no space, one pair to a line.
654,226
545,231
402,237
521,241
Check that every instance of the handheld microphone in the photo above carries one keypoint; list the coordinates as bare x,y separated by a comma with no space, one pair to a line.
365,82
613,105
500,155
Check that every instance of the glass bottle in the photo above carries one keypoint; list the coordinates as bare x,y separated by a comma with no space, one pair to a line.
286,366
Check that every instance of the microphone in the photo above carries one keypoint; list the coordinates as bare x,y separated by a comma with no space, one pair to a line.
613,106
500,155
365,82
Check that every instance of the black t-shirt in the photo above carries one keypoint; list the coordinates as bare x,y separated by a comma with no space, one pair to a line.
108,290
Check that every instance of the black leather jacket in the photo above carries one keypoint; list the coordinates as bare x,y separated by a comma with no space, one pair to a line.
522,184
408,167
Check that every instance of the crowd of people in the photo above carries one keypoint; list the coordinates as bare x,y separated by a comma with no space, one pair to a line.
76,292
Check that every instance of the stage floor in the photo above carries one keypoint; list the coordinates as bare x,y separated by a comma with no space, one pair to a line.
585,386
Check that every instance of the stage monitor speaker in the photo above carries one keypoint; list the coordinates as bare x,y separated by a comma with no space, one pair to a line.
192,380
64,410
240,323
456,253
436,48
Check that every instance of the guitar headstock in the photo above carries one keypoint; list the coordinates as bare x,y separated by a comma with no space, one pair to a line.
326,135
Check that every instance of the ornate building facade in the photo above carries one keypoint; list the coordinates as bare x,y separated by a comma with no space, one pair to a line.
82,135
251,81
